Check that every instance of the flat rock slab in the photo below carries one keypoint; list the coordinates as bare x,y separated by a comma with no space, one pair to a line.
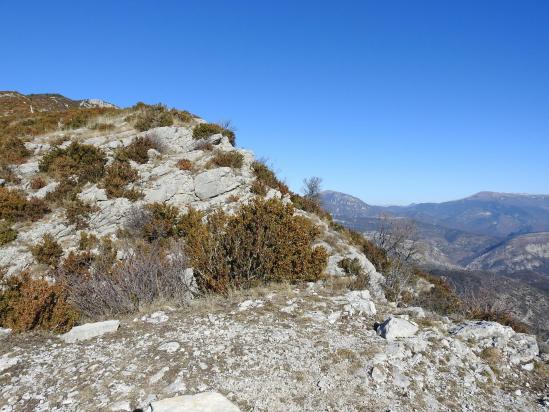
90,330
396,328
202,402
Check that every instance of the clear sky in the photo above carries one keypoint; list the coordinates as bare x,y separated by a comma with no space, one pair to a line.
392,101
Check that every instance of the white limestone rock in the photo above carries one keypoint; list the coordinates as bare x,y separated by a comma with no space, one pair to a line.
481,329
90,330
7,362
395,327
92,193
360,302
201,402
4,333
215,182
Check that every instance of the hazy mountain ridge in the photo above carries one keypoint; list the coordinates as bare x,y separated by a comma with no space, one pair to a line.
472,231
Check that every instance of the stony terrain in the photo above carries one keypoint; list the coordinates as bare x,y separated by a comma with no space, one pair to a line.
310,347
279,349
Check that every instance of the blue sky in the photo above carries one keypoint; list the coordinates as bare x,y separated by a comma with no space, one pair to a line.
394,102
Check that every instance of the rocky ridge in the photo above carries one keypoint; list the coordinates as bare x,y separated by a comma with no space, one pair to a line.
279,348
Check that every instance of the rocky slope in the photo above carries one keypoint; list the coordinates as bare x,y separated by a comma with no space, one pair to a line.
281,349
277,348
529,252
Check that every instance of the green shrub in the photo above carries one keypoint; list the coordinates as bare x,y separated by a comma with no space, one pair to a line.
205,130
263,242
309,205
48,252
7,233
14,206
86,162
151,116
232,159
27,303
118,175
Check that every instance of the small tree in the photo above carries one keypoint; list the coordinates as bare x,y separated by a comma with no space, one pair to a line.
311,188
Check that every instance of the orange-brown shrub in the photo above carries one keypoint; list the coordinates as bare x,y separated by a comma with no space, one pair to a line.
48,252
27,303
14,206
117,176
265,177
185,164
37,182
12,150
263,242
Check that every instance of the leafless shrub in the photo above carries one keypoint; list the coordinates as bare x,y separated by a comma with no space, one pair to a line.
398,238
311,188
148,274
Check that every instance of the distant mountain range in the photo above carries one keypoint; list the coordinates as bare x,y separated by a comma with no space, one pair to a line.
501,232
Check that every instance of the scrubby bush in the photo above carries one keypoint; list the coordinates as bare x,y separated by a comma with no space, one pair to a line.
149,273
138,150
205,146
12,150
155,221
150,116
66,190
118,175
78,212
185,164
377,256
86,162
205,130
232,159
27,303
309,205
7,233
440,298
87,241
14,206
37,182
352,267
47,252
263,242
265,178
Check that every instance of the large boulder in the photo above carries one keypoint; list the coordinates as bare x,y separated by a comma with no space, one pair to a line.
395,327
201,402
215,182
90,330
